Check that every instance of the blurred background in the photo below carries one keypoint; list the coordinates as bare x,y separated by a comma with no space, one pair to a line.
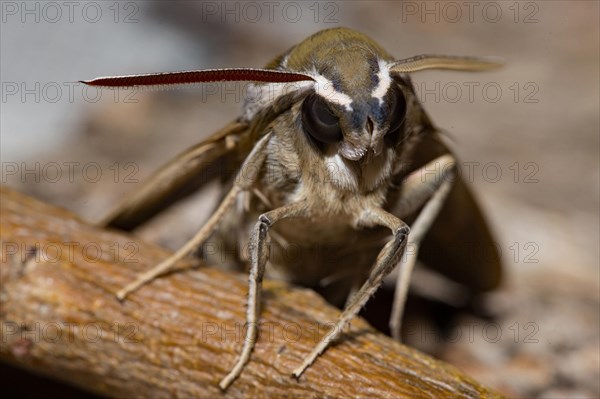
527,137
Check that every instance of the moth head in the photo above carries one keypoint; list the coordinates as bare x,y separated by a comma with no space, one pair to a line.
355,129
360,103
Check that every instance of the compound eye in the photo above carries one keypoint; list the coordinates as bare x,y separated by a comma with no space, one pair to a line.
397,110
319,121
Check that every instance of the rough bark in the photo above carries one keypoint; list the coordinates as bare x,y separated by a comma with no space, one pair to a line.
178,336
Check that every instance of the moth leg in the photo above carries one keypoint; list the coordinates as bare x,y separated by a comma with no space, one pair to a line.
418,230
242,183
385,263
357,281
259,255
416,190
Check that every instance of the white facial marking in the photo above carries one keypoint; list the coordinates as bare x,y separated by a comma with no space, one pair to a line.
384,81
339,173
352,152
259,96
324,88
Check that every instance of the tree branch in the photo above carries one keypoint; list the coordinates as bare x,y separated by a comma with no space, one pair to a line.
178,336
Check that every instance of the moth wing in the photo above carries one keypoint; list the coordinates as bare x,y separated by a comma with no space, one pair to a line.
212,158
459,244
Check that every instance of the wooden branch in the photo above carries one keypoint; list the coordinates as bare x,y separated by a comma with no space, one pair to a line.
178,336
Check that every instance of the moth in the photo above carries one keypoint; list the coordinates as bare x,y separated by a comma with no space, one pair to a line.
336,158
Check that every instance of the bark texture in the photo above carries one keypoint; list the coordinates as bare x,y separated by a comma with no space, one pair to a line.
179,335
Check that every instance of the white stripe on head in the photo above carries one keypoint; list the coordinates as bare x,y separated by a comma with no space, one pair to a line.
384,82
262,95
324,87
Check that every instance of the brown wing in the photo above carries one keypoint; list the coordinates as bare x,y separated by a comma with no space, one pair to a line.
459,244
215,157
